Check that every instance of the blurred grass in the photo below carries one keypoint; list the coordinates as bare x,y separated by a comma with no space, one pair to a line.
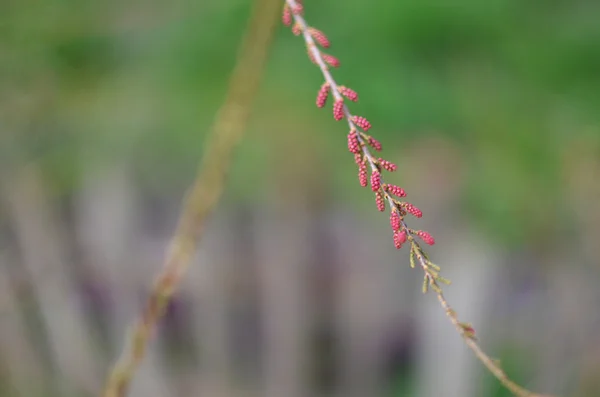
511,81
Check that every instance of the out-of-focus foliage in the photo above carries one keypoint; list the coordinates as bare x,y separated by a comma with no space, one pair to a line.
514,82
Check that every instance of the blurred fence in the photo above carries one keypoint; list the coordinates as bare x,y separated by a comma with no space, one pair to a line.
295,297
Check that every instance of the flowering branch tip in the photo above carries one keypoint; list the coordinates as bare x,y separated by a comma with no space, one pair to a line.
360,145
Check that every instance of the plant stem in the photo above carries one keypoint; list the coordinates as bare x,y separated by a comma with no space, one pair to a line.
204,194
431,276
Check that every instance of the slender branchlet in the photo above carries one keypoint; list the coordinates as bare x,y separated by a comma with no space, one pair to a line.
362,146
206,190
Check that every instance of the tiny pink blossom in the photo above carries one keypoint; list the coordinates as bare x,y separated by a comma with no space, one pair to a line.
379,199
323,95
361,122
362,175
286,16
399,238
297,29
374,143
338,109
388,165
348,93
375,181
319,37
353,143
395,190
426,237
395,220
331,60
411,209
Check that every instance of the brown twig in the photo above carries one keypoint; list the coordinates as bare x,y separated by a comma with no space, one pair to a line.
206,190
358,144
465,329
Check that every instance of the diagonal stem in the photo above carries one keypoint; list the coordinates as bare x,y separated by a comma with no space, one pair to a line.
431,277
203,196
486,360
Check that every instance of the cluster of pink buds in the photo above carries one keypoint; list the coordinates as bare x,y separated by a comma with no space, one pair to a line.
359,142
360,145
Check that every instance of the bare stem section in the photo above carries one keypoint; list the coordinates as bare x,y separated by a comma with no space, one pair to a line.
362,145
205,192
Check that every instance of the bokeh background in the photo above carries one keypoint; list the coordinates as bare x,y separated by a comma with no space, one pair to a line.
490,108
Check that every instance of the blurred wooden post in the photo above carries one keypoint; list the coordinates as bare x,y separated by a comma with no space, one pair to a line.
108,226
283,256
23,362
208,286
42,245
368,303
285,252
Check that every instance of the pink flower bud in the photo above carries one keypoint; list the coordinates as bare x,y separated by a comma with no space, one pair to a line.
323,95
411,209
331,60
353,143
362,175
395,190
380,201
387,165
286,16
338,109
395,220
374,143
297,29
348,93
426,237
399,238
375,181
361,122
319,37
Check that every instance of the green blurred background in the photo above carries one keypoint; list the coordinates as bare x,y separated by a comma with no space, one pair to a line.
514,83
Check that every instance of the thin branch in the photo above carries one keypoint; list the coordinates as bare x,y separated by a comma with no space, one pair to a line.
205,192
358,143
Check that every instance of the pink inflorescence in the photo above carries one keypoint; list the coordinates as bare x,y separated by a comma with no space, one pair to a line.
358,138
374,143
411,209
362,175
297,29
380,201
375,181
323,95
399,238
361,122
338,109
348,93
387,165
353,143
331,60
395,190
286,16
319,37
395,220
426,237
